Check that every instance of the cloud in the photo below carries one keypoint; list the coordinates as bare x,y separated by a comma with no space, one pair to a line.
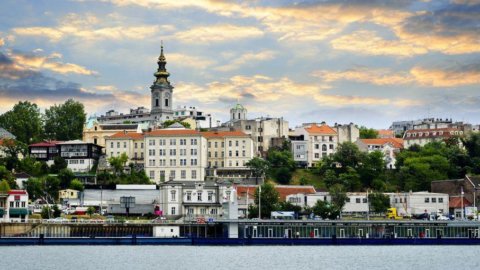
247,58
218,33
186,60
2,42
368,42
376,76
37,62
89,27
342,101
450,77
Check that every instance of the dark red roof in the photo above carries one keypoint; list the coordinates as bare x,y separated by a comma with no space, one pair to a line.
45,144
17,192
456,202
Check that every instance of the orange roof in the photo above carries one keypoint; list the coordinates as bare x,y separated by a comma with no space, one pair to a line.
283,191
323,129
215,134
127,135
456,202
396,142
172,132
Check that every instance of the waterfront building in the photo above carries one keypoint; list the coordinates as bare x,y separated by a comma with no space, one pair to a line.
312,142
390,147
80,156
228,153
175,154
470,185
424,136
14,206
414,203
192,200
130,143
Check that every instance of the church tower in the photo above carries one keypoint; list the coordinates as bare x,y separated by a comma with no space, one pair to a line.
162,98
238,112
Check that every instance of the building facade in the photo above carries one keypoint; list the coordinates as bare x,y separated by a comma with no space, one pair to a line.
96,133
175,154
390,147
14,206
424,136
130,143
313,142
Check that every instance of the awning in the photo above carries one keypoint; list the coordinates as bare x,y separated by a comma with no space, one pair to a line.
18,211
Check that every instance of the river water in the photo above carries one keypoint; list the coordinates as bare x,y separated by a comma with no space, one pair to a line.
246,257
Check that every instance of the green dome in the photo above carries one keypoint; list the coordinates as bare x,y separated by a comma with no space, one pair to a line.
238,107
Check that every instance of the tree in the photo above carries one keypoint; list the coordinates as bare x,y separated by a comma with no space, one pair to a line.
288,206
34,187
7,176
4,186
118,163
325,210
13,150
90,211
56,211
59,164
24,121
76,185
168,123
348,155
368,133
339,197
32,166
472,144
373,167
282,165
65,176
46,212
52,186
379,202
268,196
258,166
65,122
350,179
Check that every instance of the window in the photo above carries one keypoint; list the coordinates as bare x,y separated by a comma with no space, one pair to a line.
364,200
23,204
193,141
183,141
248,127
236,143
189,196
193,161
151,142
216,144
317,146
162,176
434,200
111,145
317,155
236,153
427,200
152,174
199,196
183,152
209,144
173,196
213,211
183,174
172,211
193,152
229,153
172,174
173,162
210,196
229,143
331,147
194,174
173,142
166,102
151,162
440,200
11,204
124,144
118,144
228,195
324,147
173,152
203,211
243,153
136,145
357,200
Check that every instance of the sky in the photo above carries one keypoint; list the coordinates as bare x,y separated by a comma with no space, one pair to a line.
366,62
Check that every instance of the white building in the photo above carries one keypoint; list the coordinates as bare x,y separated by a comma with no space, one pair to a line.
191,200
130,143
202,119
175,154
424,136
414,203
228,153
14,206
312,142
390,147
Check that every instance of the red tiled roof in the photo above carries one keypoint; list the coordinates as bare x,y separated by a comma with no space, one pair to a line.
385,133
456,202
283,191
172,132
45,143
323,129
219,134
17,192
396,142
127,135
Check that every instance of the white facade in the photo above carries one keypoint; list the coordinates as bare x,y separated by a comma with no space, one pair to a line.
424,136
130,143
14,206
390,147
175,155
413,203
319,140
357,202
166,231
202,119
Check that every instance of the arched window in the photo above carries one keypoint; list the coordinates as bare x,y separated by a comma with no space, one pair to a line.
156,102
324,147
166,102
238,115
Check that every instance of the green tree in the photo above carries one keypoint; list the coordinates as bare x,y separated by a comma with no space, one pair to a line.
325,210
168,123
65,176
76,185
348,155
379,202
268,196
7,176
56,211
303,181
32,166
373,167
65,122
282,165
13,150
35,188
368,133
24,121
118,163
4,186
472,144
59,164
258,166
51,187
46,212
90,211
351,179
339,197
288,206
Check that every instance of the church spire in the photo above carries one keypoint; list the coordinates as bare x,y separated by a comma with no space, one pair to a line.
162,74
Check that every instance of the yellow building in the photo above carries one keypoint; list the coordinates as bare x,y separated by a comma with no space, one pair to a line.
130,143
68,194
96,133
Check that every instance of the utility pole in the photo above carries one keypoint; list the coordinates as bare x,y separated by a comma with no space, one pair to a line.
461,201
259,201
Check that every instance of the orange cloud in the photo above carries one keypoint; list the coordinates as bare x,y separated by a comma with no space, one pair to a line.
247,58
366,75
218,33
445,78
48,63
